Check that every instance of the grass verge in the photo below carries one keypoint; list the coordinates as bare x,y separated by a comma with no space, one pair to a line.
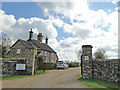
40,72
23,76
98,84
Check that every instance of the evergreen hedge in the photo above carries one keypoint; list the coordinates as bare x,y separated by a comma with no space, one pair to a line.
73,64
46,66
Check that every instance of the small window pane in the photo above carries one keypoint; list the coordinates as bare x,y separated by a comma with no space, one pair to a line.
53,55
18,50
45,53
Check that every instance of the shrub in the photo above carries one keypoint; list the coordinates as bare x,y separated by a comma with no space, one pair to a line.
46,66
74,64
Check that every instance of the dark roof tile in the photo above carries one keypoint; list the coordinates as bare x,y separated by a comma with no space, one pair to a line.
42,46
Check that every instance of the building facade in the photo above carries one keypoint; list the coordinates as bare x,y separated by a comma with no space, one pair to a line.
31,48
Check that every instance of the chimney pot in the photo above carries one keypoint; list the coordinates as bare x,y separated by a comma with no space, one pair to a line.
39,37
46,40
30,34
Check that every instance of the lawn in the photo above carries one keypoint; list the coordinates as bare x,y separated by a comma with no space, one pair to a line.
23,76
97,84
40,72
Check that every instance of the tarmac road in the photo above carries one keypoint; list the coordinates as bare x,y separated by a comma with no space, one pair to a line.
52,79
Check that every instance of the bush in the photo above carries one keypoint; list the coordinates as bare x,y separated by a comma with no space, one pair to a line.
46,66
74,64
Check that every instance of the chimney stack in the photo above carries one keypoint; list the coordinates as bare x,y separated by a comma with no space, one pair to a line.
46,40
30,34
39,37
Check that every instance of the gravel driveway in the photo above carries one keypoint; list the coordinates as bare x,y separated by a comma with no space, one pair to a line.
52,79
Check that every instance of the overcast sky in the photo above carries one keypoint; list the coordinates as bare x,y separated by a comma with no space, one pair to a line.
68,25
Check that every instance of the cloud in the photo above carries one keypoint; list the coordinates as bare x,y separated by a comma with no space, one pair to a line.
19,28
77,29
114,1
69,9
6,21
96,28
56,21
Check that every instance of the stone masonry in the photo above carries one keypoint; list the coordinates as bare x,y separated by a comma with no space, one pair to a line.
9,67
87,64
105,69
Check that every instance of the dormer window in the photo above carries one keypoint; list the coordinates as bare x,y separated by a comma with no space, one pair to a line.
18,51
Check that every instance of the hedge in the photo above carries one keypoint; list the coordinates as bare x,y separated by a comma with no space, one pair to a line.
46,66
73,64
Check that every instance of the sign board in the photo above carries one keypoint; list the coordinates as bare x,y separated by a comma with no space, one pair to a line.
86,57
20,66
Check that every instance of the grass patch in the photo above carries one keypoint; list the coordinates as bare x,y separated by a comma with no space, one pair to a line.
15,77
23,76
40,71
97,84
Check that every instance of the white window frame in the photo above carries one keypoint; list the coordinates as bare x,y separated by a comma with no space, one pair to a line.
86,57
45,53
18,51
53,55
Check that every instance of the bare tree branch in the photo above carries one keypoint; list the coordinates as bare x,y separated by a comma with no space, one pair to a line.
100,54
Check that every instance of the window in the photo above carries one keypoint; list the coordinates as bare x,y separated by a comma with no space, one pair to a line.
53,55
86,57
18,51
45,53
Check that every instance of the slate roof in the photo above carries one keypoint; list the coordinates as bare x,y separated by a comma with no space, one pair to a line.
36,44
26,43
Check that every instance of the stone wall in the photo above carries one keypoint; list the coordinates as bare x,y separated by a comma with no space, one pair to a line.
107,69
9,67
86,68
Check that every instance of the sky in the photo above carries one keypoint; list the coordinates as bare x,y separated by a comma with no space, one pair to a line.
68,25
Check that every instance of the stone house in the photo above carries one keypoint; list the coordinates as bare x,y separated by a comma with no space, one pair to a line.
31,48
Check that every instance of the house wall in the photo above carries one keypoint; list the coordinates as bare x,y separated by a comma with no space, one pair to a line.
13,51
30,55
54,57
50,57
26,53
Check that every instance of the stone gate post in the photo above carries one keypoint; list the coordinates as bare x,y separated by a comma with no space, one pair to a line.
86,60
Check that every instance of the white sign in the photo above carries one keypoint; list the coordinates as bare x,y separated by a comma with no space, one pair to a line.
86,57
20,66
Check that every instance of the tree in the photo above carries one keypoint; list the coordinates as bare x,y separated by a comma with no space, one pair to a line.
3,51
41,63
100,54
5,43
5,40
79,53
